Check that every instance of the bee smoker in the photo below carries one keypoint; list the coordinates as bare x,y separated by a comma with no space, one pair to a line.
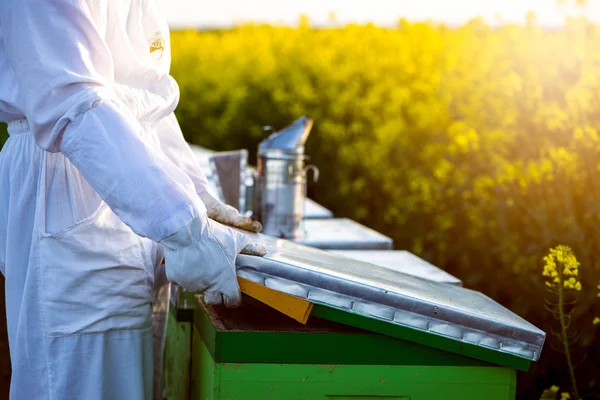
280,183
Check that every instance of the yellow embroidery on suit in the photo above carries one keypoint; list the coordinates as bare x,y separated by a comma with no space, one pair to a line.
158,43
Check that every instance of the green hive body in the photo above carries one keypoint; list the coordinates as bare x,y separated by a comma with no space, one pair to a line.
255,353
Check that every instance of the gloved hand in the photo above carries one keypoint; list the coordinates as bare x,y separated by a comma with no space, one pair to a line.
201,258
227,215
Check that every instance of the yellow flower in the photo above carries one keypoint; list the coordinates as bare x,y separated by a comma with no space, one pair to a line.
565,396
563,256
596,321
554,388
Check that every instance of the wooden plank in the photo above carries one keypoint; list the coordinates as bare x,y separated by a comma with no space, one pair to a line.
177,359
363,382
205,374
293,307
415,336
257,333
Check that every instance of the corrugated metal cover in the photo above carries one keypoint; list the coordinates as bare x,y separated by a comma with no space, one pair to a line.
384,294
314,210
342,233
401,261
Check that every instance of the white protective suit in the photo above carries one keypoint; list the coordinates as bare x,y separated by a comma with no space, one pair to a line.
94,175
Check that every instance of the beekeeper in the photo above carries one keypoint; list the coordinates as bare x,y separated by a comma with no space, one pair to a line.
96,183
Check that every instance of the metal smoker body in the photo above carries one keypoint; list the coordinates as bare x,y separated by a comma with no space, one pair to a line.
281,181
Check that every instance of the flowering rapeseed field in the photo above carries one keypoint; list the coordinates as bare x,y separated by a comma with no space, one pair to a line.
477,148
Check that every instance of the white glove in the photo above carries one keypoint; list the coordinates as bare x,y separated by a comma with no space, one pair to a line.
227,215
201,258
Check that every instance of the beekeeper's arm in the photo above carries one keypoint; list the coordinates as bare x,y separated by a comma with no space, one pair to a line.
65,76
176,148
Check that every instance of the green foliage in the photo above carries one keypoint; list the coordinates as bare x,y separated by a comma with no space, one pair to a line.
477,148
